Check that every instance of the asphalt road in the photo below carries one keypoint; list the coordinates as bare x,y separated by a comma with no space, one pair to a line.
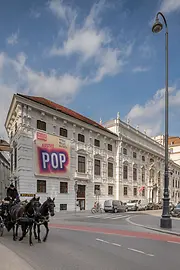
77,249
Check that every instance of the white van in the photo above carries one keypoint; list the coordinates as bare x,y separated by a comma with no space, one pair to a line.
134,205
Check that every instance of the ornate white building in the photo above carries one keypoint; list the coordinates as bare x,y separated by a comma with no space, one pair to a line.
54,147
4,174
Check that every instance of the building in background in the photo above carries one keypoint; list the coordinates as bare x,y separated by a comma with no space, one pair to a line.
4,174
54,147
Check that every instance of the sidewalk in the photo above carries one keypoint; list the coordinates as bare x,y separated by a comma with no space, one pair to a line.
152,222
10,261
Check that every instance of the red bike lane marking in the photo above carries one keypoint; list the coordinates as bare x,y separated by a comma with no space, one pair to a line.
159,237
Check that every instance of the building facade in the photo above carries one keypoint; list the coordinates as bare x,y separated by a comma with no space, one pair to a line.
90,149
54,148
4,174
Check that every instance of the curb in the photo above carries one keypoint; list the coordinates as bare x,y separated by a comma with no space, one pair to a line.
151,228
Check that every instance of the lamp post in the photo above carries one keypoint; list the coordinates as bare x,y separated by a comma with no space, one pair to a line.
165,221
75,190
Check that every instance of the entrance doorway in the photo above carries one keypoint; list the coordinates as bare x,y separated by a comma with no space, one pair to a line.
81,196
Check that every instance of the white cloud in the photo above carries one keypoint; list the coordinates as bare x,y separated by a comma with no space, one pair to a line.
140,69
13,38
62,11
150,116
90,41
61,88
168,6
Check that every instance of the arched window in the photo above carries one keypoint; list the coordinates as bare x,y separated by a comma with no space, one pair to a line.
125,170
134,172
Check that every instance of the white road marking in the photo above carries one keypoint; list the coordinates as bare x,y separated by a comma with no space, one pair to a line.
136,250
94,216
142,252
105,216
173,242
118,245
101,240
121,217
115,244
112,217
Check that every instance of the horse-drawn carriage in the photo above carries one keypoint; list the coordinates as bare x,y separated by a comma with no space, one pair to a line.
27,215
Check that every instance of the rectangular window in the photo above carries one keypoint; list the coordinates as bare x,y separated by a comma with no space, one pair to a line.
11,161
41,125
81,164
15,158
81,138
125,191
110,190
63,132
125,172
110,169
134,155
173,182
41,186
143,158
63,187
124,151
97,167
63,207
109,147
134,174
97,143
143,192
176,184
135,191
97,189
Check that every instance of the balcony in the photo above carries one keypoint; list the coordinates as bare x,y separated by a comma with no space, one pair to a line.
98,179
98,151
82,176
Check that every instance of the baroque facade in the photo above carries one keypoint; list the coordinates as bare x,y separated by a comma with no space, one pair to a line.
4,174
106,161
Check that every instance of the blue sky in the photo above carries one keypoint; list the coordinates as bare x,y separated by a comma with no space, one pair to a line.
96,57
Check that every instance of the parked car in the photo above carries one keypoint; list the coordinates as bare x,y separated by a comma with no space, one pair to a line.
134,205
153,206
114,206
142,205
176,211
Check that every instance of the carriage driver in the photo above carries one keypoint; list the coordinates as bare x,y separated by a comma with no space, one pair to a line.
12,192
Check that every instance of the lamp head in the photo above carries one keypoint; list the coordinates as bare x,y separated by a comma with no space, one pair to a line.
157,26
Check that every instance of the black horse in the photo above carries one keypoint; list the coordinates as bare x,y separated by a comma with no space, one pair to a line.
42,218
24,216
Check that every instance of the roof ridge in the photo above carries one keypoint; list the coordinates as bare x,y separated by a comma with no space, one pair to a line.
65,110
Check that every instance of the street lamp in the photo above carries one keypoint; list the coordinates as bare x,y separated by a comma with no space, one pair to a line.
75,190
165,221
